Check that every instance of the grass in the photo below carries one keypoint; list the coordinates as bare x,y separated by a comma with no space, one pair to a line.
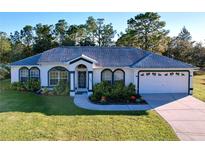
199,86
26,116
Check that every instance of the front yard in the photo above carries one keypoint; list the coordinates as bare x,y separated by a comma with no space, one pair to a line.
26,116
199,86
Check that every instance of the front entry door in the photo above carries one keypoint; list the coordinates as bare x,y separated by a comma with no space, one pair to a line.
82,79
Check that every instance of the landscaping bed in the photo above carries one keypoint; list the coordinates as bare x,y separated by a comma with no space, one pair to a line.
118,93
61,89
136,100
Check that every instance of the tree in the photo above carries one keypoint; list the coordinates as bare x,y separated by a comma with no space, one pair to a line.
15,38
104,33
87,42
180,47
60,30
146,31
27,39
76,33
17,47
44,39
99,31
91,29
128,40
5,48
68,41
198,55
107,35
27,35
184,35
93,32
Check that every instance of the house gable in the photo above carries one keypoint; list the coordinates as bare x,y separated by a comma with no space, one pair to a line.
84,58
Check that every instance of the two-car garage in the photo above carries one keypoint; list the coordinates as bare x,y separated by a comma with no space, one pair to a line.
156,81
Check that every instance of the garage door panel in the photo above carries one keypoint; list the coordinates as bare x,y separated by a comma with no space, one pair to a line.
163,82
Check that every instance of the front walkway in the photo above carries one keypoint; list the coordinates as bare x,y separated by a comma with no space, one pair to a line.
82,101
185,114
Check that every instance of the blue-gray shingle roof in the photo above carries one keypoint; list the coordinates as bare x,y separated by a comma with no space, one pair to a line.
33,60
106,57
158,61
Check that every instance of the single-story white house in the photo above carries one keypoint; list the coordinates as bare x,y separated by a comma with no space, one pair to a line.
85,66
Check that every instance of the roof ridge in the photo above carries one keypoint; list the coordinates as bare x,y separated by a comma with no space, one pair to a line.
113,47
147,55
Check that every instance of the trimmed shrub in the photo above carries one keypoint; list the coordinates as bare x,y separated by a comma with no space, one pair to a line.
61,89
31,85
130,89
117,92
34,85
101,89
18,86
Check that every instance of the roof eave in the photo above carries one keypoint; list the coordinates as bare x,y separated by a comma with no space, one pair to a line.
83,57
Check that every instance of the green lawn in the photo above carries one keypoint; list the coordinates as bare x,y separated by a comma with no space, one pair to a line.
199,86
26,116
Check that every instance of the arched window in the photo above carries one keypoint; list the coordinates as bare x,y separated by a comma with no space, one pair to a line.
81,66
119,75
34,73
23,74
106,75
58,74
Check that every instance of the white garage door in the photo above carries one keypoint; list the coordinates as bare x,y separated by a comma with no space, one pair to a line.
163,82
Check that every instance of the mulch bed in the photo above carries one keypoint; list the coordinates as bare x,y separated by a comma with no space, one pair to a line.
138,101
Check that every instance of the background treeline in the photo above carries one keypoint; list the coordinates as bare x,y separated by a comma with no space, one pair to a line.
145,31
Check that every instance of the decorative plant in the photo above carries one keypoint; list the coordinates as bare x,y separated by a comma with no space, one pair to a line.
30,85
103,99
117,92
101,89
45,91
61,89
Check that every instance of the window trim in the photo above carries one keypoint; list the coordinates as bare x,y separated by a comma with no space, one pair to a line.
111,74
39,78
58,74
24,67
118,69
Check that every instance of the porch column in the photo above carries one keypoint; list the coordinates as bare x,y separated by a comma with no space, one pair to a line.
136,79
90,82
72,83
191,82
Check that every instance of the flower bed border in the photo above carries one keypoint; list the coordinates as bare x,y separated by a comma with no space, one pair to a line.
113,102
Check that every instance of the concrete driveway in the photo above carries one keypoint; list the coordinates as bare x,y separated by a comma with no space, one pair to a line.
185,114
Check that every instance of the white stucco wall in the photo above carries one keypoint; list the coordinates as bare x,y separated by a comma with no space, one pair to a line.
131,74
14,74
